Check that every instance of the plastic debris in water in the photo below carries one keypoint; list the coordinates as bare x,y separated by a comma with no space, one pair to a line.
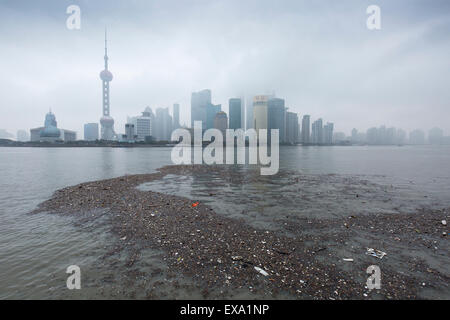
262,271
375,253
195,204
349,259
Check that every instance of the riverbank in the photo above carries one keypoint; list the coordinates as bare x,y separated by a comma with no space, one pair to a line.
303,258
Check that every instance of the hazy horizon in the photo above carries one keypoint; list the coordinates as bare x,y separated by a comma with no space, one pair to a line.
319,57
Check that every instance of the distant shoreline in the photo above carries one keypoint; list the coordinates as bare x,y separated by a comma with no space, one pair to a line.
116,144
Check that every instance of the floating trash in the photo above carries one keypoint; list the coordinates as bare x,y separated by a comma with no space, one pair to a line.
262,271
375,253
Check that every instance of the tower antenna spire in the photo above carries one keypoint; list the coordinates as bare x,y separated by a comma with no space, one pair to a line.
106,50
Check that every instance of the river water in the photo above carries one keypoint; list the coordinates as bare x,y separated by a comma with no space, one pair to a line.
35,250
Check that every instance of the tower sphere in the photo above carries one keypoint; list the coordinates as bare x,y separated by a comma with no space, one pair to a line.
106,75
106,120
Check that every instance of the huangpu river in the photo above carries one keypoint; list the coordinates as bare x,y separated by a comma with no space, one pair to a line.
36,249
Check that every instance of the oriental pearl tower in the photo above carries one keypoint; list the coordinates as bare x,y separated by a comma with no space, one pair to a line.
106,121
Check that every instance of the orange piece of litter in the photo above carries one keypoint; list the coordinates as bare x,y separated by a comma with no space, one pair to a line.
195,204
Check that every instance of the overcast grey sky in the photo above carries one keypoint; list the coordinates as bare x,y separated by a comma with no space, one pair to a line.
318,55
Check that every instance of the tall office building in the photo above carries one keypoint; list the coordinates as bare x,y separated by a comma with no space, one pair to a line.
249,112
354,135
235,111
106,121
91,131
199,102
130,133
328,133
372,135
221,123
306,132
242,112
417,137
163,125
317,132
436,136
292,130
143,125
211,111
176,116
260,112
276,117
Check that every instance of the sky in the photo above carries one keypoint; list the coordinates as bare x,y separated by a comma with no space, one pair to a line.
318,55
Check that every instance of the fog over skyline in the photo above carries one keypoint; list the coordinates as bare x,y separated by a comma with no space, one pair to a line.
317,55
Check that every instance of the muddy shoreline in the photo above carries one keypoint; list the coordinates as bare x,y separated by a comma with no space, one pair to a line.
222,255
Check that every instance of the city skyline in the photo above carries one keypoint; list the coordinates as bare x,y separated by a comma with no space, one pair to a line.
158,72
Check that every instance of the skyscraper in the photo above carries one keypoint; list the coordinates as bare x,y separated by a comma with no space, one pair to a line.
276,117
249,112
143,125
211,111
176,116
163,125
317,132
436,136
129,135
199,102
260,112
106,121
91,131
221,123
291,128
306,129
328,133
417,137
235,108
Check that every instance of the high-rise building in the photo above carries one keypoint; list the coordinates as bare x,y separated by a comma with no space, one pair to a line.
249,112
130,135
354,135
163,125
211,111
199,102
221,123
91,131
372,136
260,112
106,121
276,117
306,134
328,133
143,125
292,130
176,116
436,136
235,111
317,132
417,137
242,112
